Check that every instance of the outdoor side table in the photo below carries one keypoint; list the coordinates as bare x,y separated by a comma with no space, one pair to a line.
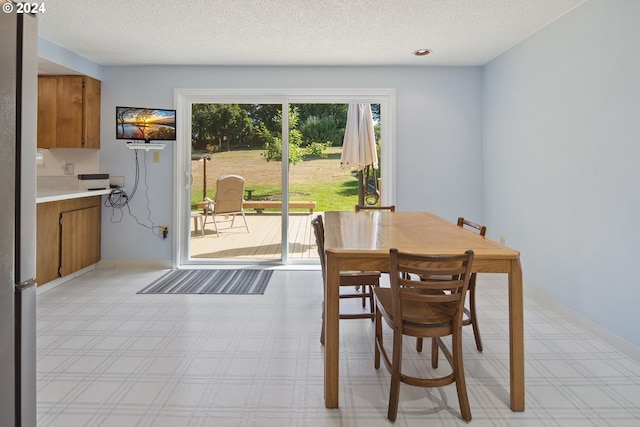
198,217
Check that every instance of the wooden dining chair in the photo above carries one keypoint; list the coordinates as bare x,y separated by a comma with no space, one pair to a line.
391,208
471,318
470,314
425,300
367,280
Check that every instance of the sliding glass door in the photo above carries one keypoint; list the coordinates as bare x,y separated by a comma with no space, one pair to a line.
245,133
228,140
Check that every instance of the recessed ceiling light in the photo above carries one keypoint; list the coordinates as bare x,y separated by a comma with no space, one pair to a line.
422,52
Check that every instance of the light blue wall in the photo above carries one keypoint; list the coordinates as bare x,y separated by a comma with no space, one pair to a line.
439,165
561,149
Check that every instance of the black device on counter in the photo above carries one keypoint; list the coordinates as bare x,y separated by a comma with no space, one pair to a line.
86,176
100,181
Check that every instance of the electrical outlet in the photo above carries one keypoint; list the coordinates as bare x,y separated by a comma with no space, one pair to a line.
68,168
117,181
164,231
502,240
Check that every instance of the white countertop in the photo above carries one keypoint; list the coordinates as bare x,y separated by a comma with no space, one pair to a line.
53,195
53,188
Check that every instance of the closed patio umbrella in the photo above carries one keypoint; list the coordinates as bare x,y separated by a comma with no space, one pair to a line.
359,145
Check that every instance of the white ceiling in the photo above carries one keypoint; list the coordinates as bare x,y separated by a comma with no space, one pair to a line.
294,32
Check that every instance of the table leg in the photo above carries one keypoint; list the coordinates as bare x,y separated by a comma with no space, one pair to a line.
516,336
331,332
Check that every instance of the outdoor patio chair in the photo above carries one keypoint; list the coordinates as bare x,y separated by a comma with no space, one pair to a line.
228,200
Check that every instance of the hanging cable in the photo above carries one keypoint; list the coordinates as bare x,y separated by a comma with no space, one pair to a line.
118,199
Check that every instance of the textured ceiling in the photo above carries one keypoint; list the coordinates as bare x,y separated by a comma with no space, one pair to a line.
294,32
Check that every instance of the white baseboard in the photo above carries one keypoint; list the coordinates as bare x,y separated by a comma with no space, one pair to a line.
615,341
60,280
146,264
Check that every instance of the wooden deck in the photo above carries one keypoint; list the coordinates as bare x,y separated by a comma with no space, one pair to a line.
262,242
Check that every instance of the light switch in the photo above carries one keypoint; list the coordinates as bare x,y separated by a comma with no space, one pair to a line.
156,156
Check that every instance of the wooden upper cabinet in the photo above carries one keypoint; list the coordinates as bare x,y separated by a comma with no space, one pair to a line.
68,112
69,97
91,117
47,112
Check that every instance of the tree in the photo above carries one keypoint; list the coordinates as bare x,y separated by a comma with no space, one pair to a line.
221,126
216,124
321,129
375,112
297,150
231,124
201,126
267,114
326,114
336,111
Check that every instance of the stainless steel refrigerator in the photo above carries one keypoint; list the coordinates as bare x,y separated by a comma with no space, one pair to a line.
18,121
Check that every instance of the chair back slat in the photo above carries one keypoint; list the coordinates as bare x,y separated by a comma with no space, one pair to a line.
481,229
391,208
429,279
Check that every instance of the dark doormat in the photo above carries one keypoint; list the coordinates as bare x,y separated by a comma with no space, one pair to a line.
210,282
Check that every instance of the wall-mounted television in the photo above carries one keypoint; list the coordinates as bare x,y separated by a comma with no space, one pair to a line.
145,124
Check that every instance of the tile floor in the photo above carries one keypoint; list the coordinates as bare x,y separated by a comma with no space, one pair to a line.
110,357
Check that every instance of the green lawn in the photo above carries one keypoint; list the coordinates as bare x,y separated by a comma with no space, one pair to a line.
316,179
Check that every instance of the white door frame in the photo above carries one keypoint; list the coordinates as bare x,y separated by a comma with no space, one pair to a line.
184,98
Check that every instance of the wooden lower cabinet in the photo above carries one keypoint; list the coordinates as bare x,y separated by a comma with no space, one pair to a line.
47,238
68,235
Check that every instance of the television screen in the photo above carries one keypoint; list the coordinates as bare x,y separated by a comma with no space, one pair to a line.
145,124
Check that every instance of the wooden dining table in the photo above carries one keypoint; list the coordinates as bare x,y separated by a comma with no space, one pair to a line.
361,241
